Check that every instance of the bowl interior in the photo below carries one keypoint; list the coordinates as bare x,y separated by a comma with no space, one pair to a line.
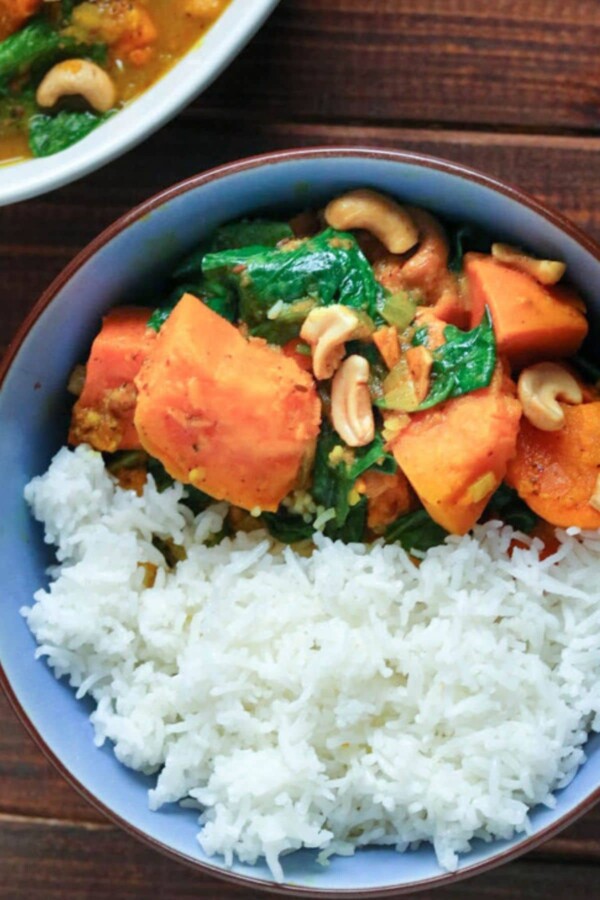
192,74
33,412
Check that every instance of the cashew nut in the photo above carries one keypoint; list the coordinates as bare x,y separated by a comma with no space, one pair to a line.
427,269
326,329
546,271
351,410
380,215
540,387
78,77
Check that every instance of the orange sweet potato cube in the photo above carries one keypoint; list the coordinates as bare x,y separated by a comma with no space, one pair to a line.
103,413
455,455
556,472
532,322
234,417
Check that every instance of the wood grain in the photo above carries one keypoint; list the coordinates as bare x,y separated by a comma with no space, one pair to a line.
510,87
520,65
23,767
40,236
108,865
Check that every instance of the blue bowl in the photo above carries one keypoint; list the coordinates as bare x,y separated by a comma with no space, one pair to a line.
136,252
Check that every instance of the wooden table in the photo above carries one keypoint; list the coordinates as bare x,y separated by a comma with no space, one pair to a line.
511,87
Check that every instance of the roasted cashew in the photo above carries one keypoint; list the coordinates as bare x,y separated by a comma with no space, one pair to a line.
427,269
546,271
594,500
78,77
351,410
376,213
540,387
326,329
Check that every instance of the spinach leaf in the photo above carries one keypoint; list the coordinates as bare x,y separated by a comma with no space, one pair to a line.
220,299
126,459
353,529
463,238
26,47
333,482
415,531
159,317
51,134
37,46
234,235
506,505
421,336
195,499
161,477
328,268
66,9
286,324
250,232
287,527
16,109
190,267
368,350
330,482
373,456
465,363
217,297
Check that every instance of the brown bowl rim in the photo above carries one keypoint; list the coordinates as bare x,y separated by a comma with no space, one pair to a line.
145,208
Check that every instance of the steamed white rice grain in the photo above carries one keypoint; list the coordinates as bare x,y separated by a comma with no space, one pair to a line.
345,699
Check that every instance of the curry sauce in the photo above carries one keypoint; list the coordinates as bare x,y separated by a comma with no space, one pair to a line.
134,41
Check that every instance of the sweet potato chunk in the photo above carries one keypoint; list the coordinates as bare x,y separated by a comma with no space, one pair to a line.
303,360
388,497
531,322
455,455
14,14
555,472
234,417
136,42
103,414
125,25
387,342
451,307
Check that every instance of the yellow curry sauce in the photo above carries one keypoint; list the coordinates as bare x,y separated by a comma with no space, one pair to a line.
144,39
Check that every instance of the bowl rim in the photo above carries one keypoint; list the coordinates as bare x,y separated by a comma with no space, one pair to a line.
93,152
140,211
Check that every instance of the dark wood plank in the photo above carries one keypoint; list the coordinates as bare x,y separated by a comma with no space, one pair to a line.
31,786
40,236
512,88
529,64
107,865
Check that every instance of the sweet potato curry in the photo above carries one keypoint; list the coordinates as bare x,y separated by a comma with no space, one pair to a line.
364,370
66,65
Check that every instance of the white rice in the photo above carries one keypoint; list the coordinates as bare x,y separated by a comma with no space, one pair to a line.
345,699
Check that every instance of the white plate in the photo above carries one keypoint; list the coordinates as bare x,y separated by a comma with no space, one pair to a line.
198,68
